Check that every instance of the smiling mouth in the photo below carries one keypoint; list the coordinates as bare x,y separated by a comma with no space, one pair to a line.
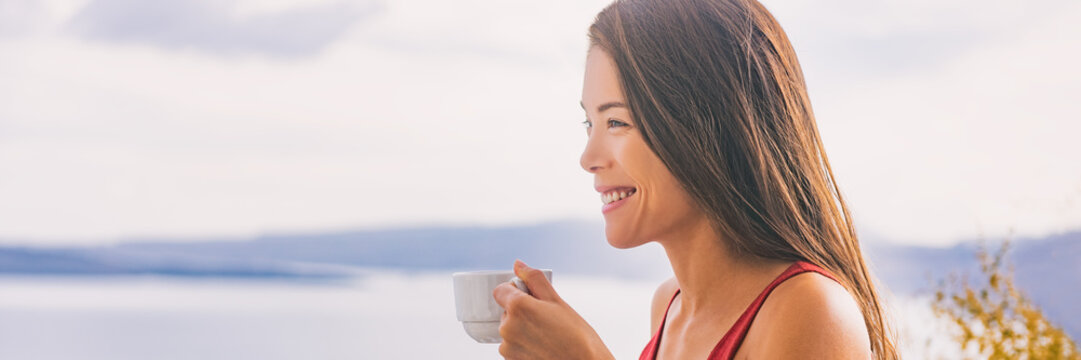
617,194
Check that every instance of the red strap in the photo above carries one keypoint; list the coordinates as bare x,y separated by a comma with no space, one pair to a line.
726,348
650,352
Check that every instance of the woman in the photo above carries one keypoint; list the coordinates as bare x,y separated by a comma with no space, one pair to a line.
701,138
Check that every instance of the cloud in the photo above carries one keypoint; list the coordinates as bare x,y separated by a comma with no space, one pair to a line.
19,17
152,142
467,112
978,143
860,39
217,27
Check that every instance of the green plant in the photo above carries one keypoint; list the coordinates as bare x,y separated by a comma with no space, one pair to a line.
994,318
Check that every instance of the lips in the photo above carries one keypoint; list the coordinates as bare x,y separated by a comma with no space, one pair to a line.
614,196
607,188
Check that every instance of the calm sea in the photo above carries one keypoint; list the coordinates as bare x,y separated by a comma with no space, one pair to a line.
384,315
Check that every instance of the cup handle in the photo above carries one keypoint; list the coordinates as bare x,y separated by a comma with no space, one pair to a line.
520,285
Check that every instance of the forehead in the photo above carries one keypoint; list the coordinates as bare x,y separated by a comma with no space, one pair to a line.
601,83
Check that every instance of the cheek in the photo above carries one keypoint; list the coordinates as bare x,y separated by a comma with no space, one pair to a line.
647,170
663,204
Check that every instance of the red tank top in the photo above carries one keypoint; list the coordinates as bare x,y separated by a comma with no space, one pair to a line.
726,348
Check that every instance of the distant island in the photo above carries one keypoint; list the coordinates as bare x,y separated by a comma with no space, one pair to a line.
1046,268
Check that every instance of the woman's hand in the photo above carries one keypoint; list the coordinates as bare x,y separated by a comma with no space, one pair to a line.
542,326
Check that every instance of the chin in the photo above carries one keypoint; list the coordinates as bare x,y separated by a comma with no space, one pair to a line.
621,238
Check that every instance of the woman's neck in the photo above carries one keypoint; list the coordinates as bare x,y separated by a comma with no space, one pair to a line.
712,279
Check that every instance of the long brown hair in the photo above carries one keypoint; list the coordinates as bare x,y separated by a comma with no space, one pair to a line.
719,95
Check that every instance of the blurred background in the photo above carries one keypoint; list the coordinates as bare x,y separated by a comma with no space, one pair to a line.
284,179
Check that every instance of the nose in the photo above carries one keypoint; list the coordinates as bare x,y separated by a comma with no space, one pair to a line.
593,157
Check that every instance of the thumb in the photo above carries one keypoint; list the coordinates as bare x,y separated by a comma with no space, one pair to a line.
535,280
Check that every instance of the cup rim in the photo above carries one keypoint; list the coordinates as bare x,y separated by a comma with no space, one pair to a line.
490,272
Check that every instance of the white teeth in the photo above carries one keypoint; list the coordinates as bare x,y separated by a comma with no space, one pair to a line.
611,197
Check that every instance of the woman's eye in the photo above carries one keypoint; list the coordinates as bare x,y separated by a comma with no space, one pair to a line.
616,123
587,124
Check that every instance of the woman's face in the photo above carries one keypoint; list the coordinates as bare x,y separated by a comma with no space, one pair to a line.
642,200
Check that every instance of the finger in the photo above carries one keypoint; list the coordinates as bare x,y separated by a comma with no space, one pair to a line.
509,348
535,280
505,350
506,294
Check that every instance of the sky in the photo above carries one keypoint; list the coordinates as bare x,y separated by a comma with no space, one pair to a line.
120,120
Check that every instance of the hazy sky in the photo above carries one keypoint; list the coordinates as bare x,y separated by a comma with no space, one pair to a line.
944,119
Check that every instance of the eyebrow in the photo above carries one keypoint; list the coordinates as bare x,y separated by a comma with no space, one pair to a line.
606,106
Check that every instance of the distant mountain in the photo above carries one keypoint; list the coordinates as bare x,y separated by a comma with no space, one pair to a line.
571,247
1047,269
1050,271
119,261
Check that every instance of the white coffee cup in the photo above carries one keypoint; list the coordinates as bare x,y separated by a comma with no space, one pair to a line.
476,308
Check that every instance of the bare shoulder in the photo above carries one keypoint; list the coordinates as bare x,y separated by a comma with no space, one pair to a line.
810,314
661,297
